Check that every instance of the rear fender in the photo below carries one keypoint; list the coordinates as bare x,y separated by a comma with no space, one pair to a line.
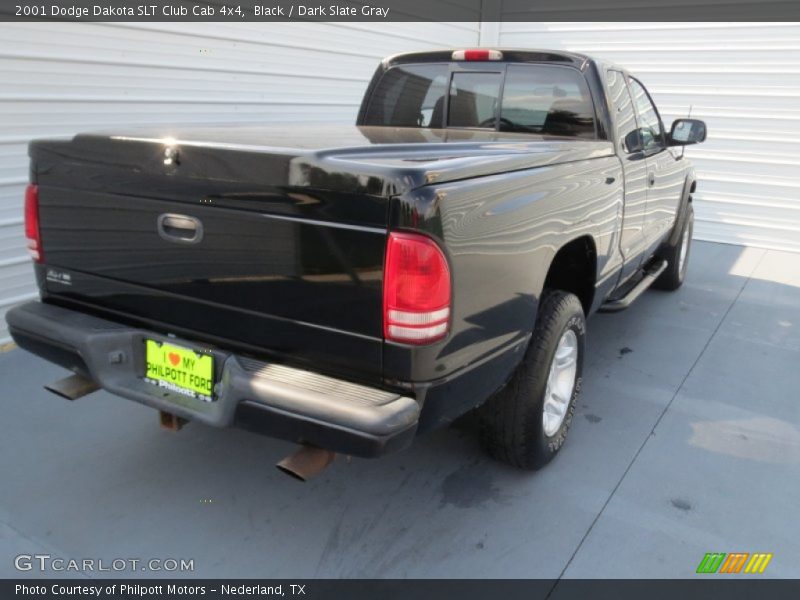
686,198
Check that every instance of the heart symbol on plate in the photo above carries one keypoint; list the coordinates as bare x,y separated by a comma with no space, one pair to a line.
174,358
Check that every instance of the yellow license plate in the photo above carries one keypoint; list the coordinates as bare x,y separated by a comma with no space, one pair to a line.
179,369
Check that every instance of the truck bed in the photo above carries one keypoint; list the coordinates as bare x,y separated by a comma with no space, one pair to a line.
294,223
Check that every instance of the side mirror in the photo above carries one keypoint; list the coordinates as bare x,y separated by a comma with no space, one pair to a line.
633,141
687,131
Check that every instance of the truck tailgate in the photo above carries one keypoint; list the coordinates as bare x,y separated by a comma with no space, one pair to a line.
220,247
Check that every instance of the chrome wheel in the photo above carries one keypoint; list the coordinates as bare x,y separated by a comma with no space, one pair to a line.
684,250
560,382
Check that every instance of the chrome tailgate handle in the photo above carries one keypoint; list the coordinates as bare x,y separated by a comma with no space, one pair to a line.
181,229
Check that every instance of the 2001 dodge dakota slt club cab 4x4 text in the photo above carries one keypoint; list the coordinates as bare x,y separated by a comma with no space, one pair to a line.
347,287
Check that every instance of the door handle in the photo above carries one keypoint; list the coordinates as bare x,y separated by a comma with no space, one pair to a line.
180,229
651,179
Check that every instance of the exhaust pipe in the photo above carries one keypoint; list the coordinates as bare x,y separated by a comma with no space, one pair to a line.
72,387
171,422
306,462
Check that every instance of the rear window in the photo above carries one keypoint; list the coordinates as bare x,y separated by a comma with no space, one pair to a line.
547,100
421,88
542,99
473,99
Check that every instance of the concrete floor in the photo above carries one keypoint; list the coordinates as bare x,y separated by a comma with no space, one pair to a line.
686,441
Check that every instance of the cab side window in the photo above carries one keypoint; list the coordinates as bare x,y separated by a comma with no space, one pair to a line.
624,115
649,121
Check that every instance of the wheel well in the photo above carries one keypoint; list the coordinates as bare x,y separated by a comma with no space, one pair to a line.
574,270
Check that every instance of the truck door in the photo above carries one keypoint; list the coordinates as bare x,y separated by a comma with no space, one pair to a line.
665,173
634,168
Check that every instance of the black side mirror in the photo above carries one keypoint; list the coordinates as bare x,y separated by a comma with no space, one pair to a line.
633,142
687,131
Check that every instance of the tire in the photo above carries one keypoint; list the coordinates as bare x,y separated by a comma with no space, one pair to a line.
513,426
673,276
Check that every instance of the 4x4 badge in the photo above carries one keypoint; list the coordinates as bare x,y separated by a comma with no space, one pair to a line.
58,277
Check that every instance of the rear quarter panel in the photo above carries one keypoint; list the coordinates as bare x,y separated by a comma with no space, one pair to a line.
501,233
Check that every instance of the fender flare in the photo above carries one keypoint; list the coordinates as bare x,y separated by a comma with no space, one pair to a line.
686,198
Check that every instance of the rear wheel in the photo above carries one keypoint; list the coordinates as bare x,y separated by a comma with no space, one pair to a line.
677,256
525,424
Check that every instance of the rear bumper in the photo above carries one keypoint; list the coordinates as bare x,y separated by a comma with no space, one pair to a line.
268,398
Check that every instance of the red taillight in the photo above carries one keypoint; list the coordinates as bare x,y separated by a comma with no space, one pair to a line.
477,54
32,223
416,290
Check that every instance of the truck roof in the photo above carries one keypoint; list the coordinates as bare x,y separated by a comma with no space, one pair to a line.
509,55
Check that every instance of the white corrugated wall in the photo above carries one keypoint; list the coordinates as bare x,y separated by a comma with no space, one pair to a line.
59,79
743,79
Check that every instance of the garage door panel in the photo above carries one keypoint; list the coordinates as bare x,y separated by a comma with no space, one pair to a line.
63,78
743,79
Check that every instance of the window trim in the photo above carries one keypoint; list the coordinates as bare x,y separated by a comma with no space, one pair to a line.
619,139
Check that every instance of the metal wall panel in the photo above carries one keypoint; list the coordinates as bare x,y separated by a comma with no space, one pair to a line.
58,79
743,79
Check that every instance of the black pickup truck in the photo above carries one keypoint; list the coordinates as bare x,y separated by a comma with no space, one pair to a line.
347,287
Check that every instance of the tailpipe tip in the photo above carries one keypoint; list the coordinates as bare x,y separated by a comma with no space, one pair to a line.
306,462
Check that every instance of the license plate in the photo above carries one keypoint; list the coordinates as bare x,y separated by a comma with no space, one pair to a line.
179,369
